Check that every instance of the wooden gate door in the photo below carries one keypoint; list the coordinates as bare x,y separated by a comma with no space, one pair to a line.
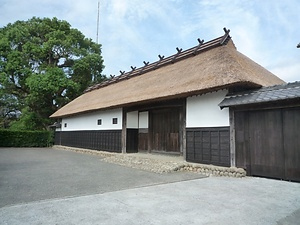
164,128
265,142
268,142
291,131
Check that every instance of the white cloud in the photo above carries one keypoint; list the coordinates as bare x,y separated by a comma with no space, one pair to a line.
135,30
289,69
139,28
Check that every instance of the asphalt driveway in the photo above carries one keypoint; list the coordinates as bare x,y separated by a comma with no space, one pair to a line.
32,174
45,186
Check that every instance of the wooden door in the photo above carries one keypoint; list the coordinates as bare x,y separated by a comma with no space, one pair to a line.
266,147
164,128
268,142
291,130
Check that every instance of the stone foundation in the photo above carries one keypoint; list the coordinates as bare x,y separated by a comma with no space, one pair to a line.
214,170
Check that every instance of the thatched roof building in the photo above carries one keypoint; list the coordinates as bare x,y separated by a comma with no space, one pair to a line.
209,66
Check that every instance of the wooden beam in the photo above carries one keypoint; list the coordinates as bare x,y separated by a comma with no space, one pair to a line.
232,138
179,102
150,130
124,130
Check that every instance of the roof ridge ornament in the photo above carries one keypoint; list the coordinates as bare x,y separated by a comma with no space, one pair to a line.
226,36
160,59
142,68
199,45
175,56
130,72
202,46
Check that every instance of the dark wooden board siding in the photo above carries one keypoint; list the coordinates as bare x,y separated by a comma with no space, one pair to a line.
57,137
164,127
108,140
291,131
143,139
268,142
208,145
241,142
265,135
132,140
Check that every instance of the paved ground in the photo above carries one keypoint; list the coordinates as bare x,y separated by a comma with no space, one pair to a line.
124,196
32,174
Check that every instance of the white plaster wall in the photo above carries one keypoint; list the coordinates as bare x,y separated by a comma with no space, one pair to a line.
203,110
89,121
133,119
143,119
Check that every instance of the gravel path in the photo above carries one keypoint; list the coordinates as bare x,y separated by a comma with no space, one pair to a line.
147,163
159,163
150,162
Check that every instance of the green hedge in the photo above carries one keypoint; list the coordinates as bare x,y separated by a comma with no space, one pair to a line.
11,138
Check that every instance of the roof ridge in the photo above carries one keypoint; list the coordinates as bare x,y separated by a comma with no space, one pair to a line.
278,86
283,92
284,86
180,55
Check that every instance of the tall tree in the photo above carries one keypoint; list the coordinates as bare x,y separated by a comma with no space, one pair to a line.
44,64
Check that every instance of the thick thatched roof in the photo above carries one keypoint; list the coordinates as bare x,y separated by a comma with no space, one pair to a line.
207,67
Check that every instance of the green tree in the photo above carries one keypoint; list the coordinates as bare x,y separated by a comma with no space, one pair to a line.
9,109
44,64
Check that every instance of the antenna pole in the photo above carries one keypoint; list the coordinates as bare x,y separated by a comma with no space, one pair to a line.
98,16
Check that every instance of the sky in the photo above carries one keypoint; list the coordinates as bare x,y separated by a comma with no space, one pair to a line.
133,31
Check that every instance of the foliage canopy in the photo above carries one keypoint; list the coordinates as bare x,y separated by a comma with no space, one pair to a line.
44,64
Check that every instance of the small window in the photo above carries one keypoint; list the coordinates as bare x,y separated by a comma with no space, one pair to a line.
115,120
65,125
99,122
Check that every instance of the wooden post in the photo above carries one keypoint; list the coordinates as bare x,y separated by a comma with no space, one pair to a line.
124,130
150,131
182,130
232,137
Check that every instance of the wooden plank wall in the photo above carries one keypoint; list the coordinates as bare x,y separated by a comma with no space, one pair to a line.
143,139
208,145
108,140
